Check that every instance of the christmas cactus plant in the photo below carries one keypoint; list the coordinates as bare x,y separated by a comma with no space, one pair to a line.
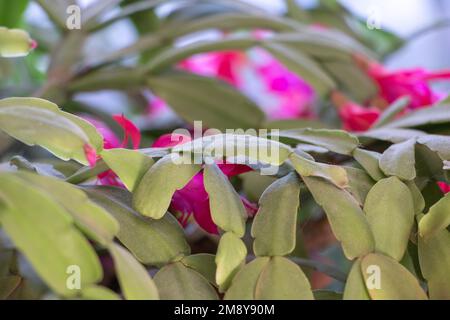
327,181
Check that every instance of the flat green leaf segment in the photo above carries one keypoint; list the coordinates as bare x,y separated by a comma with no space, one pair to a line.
175,281
333,140
223,107
274,226
386,279
389,208
156,188
348,221
135,282
129,165
437,218
92,219
14,43
152,242
49,239
39,122
227,210
434,259
231,254
274,278
238,147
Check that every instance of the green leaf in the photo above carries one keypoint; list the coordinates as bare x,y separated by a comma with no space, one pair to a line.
177,282
418,199
216,103
347,219
391,111
44,232
154,193
238,148
227,210
92,219
369,160
14,43
244,283
355,287
135,281
282,279
390,211
274,226
437,218
204,264
11,12
309,168
39,122
399,160
302,65
396,282
359,183
153,242
434,259
393,135
351,79
98,293
230,256
129,165
333,140
438,144
434,115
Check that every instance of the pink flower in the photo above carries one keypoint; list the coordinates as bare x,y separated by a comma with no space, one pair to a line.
353,116
445,188
224,65
414,83
193,198
280,93
110,141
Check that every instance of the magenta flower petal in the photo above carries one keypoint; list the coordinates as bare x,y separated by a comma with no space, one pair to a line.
130,131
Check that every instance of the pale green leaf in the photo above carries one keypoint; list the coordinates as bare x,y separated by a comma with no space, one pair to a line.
227,210
274,226
98,293
203,263
281,279
434,259
92,219
347,219
369,160
244,283
177,282
134,280
230,256
355,287
396,282
333,140
309,168
390,211
129,165
437,218
44,232
399,160
39,122
153,242
154,192
391,111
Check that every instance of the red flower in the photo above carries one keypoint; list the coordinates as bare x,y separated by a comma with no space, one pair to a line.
110,141
193,198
